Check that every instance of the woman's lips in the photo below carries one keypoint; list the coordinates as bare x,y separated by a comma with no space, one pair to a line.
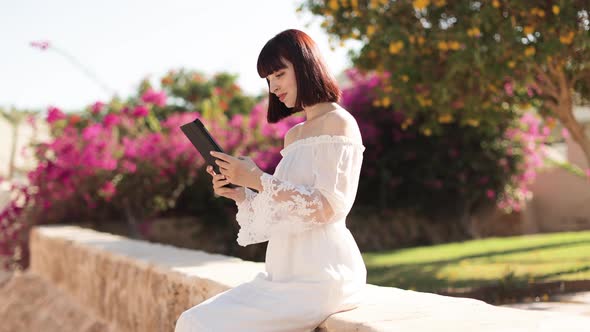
282,97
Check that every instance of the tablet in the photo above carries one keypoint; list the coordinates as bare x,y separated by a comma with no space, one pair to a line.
204,142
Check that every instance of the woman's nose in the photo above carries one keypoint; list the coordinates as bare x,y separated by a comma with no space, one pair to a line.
274,88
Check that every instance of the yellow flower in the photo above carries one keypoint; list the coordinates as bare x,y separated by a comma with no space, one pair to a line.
333,4
442,45
529,51
421,4
525,106
377,103
374,4
445,118
496,3
412,39
473,122
421,40
427,132
528,30
405,78
555,9
424,102
511,64
568,38
370,30
474,32
386,101
354,4
454,45
440,3
407,122
396,47
537,11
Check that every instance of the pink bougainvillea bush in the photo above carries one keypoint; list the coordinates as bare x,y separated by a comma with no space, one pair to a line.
450,172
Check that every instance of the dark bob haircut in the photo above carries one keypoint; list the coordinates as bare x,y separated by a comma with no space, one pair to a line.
314,82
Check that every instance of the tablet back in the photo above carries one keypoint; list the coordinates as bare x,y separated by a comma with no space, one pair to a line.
204,142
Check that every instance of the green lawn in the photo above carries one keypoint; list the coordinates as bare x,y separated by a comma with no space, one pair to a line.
544,257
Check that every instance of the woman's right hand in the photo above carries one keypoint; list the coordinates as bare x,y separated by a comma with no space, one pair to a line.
237,194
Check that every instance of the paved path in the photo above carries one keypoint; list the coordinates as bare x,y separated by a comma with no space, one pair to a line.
575,303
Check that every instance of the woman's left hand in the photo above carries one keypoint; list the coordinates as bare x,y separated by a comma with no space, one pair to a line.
241,171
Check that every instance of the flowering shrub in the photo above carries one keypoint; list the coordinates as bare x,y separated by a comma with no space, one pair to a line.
453,172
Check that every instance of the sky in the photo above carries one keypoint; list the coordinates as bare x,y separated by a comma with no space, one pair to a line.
122,41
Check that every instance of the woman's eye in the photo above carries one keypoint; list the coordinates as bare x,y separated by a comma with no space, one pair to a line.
280,74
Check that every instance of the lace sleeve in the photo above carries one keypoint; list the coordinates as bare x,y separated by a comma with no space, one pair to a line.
285,207
250,232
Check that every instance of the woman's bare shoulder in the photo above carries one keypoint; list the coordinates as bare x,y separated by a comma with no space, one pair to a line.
292,134
341,123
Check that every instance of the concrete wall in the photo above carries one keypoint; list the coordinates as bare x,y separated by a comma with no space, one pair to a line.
140,286
561,200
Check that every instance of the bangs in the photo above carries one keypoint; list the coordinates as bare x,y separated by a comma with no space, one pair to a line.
270,60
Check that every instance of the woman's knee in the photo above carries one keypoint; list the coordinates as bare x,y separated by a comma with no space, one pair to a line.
189,321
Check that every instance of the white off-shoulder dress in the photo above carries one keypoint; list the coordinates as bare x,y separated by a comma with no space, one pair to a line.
313,265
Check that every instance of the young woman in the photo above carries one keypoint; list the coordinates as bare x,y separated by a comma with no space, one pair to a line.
313,265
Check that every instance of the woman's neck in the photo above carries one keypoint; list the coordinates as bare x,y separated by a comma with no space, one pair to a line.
314,111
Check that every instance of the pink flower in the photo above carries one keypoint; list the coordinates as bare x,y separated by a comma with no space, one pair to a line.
91,132
129,166
41,44
130,147
491,194
237,120
156,98
140,111
54,114
111,120
108,190
97,107
508,88
565,133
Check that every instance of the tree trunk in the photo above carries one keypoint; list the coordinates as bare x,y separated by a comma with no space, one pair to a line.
559,90
577,131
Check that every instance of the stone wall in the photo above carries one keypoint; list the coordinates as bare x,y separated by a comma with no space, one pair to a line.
141,286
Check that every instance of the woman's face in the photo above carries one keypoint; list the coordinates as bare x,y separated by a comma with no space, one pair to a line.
284,85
